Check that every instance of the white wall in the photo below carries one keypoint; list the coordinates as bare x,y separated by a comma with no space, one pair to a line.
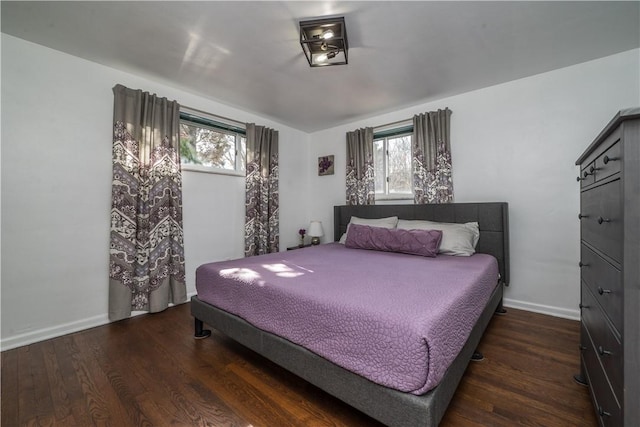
517,142
57,113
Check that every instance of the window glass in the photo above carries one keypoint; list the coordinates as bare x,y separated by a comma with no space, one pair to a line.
399,165
207,147
392,163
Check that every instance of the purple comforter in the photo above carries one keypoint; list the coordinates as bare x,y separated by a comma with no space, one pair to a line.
398,320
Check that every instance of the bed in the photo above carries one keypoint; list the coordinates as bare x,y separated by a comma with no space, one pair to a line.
415,404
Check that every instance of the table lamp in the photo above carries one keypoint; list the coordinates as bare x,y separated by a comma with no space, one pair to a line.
315,231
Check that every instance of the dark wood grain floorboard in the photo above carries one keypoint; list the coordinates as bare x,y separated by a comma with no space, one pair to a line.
70,382
9,390
43,410
100,397
26,390
57,392
149,371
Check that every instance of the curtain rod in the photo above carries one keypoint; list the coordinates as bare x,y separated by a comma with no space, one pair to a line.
213,115
407,121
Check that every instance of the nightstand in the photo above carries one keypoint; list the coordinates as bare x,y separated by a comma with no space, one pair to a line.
292,248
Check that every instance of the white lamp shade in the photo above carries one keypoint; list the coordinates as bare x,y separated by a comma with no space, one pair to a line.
315,229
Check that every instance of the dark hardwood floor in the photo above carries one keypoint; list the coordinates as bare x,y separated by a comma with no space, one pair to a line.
149,371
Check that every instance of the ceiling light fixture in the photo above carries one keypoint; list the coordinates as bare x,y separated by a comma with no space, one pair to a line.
324,41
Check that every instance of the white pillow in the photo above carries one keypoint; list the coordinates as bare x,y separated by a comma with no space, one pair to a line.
389,222
457,239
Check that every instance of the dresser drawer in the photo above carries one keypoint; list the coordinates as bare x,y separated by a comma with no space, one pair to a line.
605,282
605,343
587,174
600,208
609,162
606,405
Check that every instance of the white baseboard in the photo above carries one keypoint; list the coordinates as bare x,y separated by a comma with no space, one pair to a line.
60,330
52,332
543,309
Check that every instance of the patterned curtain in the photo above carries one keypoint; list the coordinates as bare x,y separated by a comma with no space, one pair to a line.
261,230
146,265
432,181
361,188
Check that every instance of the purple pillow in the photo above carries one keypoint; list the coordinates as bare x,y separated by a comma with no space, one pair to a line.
414,242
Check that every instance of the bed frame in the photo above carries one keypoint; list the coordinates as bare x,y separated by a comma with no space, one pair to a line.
391,407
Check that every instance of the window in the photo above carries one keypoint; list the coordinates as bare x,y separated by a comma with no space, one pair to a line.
392,163
210,145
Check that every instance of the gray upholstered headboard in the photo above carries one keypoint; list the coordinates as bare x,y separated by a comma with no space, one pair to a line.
493,219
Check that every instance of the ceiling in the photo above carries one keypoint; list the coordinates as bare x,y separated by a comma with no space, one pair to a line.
247,54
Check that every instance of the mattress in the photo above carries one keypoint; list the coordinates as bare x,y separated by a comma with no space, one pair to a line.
398,320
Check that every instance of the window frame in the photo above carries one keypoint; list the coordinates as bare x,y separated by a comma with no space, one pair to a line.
217,124
385,136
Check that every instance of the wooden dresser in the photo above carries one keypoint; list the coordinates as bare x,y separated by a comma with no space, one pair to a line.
610,270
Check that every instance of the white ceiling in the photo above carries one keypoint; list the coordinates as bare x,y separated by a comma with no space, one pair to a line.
247,53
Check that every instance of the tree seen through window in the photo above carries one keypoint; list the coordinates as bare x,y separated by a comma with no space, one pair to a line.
210,147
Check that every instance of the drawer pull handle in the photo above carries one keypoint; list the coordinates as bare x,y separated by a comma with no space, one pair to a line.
603,291
608,159
601,220
593,169
583,264
602,412
581,305
586,174
602,351
580,216
582,347
579,178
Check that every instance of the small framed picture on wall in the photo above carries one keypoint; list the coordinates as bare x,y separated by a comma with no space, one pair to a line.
325,165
